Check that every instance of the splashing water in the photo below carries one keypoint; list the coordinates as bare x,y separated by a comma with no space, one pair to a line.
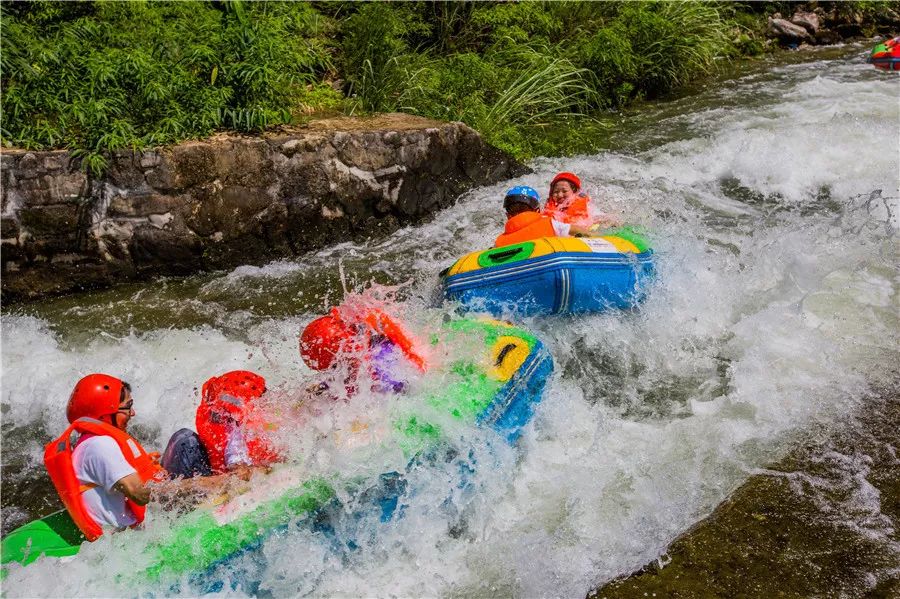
773,201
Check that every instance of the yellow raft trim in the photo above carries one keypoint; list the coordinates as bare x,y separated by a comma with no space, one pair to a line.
512,358
544,246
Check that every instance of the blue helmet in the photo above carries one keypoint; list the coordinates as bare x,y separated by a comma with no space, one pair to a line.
522,195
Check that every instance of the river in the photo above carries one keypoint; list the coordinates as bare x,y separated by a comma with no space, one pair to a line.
773,202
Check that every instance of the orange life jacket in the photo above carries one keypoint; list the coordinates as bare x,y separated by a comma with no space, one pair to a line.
58,460
383,324
214,426
525,226
575,212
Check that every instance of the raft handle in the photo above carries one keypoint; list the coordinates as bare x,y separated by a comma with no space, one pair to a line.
503,353
504,256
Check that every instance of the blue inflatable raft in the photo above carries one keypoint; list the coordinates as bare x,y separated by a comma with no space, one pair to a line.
554,275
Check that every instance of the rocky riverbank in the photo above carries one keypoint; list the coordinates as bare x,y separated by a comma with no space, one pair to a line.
822,522
813,24
229,200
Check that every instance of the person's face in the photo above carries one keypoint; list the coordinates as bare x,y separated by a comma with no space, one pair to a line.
562,192
126,411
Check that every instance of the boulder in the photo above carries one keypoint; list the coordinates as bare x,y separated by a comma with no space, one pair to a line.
807,20
786,32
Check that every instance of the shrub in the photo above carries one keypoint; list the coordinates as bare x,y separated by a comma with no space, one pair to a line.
102,76
651,47
373,51
98,76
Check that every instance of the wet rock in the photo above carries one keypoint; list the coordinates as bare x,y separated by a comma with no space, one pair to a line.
28,166
827,36
786,32
162,251
46,189
50,221
124,171
807,20
9,228
162,177
849,30
230,200
141,204
194,164
150,159
887,20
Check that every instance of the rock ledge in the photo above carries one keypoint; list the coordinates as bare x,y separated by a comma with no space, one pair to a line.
229,200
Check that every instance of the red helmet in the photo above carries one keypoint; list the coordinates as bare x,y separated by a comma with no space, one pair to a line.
241,386
570,177
323,338
94,396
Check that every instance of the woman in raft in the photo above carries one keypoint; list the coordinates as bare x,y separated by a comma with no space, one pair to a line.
568,204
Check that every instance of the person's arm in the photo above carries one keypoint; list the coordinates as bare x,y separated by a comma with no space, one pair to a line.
606,220
582,231
133,488
175,492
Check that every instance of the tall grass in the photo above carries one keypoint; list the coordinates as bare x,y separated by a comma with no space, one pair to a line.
540,87
649,48
96,76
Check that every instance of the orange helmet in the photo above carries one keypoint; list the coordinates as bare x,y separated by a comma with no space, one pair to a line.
565,176
241,386
323,338
94,396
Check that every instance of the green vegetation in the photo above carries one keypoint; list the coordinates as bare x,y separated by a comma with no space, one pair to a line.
99,76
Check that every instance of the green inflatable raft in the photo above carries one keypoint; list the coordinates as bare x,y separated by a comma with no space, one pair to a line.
494,382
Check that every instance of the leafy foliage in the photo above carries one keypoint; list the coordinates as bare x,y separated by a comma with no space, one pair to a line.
102,76
97,76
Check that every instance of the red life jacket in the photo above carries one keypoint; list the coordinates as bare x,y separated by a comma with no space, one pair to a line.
214,423
525,226
575,212
58,460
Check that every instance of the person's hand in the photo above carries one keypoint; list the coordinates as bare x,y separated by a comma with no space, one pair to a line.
241,471
317,389
577,231
607,222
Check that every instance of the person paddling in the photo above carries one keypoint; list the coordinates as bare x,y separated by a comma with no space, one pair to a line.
525,222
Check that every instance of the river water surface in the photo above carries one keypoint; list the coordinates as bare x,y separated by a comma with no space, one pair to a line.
773,202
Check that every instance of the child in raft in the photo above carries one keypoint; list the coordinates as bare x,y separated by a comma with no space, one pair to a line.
568,204
525,221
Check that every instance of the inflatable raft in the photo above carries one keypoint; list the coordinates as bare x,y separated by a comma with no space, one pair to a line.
496,385
886,55
554,275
